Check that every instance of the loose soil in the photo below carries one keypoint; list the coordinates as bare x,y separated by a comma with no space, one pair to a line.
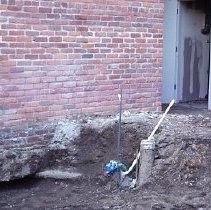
181,176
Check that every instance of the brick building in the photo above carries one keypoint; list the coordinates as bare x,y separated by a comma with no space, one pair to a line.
62,58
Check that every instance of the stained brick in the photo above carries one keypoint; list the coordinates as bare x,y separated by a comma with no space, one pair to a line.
14,8
55,39
30,9
45,10
87,56
31,56
53,16
40,39
11,2
8,51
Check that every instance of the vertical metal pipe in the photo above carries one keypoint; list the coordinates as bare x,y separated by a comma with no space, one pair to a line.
119,138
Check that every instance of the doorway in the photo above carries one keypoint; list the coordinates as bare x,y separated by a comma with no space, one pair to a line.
186,51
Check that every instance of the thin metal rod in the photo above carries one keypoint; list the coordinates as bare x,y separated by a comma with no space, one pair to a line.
119,137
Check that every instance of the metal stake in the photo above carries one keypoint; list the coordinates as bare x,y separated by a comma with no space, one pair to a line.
119,138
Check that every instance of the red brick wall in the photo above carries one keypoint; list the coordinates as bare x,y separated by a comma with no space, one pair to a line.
63,58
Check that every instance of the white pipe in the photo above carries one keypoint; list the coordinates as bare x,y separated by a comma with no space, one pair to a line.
149,139
161,120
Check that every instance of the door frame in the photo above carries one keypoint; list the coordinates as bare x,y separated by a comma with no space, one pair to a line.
176,93
170,51
209,87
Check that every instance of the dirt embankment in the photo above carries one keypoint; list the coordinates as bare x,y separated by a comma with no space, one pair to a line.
181,174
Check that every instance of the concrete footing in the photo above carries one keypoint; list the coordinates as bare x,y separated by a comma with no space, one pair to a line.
146,161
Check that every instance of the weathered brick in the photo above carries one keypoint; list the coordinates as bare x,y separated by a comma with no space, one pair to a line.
11,2
8,51
3,57
57,56
55,39
53,16
16,33
40,39
22,51
31,56
87,56
14,8
9,39
45,10
24,39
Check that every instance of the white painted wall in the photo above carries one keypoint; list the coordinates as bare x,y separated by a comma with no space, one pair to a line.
190,25
209,94
169,53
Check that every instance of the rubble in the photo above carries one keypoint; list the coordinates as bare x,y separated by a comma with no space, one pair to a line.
19,162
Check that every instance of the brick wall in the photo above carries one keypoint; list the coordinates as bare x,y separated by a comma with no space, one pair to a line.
60,58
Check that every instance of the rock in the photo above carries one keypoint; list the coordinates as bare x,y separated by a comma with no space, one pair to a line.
59,174
20,162
66,133
126,113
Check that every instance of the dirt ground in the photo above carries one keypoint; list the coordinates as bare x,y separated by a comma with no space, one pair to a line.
181,176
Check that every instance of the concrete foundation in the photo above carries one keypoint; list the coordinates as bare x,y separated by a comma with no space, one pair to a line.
146,161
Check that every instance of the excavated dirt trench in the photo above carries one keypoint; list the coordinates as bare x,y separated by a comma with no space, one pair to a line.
98,147
181,174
